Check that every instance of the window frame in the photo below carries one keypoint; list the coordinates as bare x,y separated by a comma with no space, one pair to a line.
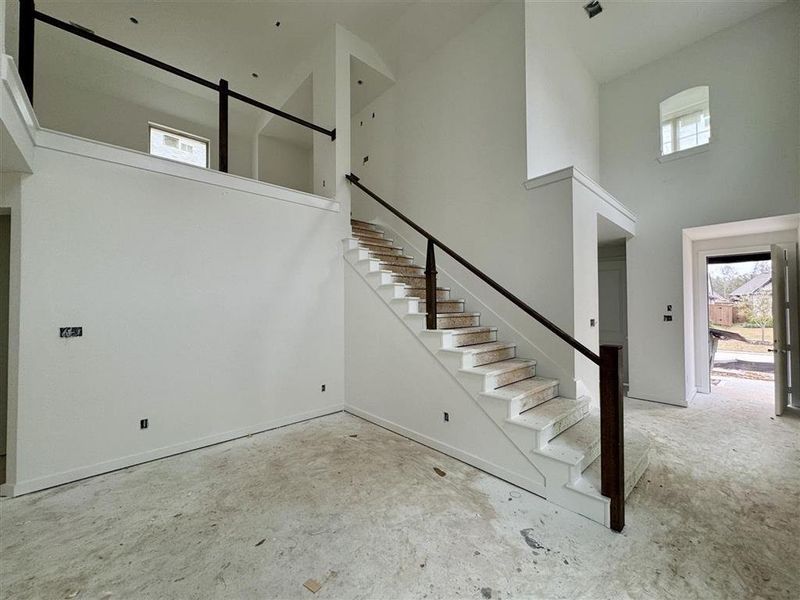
192,136
672,119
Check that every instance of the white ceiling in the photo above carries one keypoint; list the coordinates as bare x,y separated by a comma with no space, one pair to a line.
631,33
232,39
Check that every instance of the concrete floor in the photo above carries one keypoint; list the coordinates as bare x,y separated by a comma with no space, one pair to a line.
715,516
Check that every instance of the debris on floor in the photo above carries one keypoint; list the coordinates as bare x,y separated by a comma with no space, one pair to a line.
261,542
486,592
353,435
439,472
527,535
312,585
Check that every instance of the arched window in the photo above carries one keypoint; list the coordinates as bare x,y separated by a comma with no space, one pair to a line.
685,120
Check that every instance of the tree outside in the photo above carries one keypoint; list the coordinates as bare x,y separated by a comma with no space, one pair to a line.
758,309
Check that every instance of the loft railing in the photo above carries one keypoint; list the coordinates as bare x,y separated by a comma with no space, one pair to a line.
612,464
28,15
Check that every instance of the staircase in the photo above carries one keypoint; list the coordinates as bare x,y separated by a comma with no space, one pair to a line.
559,436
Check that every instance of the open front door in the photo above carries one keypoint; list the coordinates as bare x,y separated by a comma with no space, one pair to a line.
785,315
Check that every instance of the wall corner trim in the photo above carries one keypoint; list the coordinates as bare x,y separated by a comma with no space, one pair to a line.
590,184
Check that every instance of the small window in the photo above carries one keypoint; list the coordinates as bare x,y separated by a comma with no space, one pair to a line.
685,120
177,145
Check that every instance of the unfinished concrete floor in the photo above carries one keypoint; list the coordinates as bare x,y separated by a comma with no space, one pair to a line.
715,516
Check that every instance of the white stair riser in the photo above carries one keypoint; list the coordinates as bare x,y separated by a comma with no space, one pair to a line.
392,290
405,306
377,278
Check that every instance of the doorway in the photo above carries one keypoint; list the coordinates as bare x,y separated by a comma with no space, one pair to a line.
613,298
740,324
5,263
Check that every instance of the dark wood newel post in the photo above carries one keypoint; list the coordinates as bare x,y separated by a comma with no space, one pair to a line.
223,125
27,27
430,286
612,443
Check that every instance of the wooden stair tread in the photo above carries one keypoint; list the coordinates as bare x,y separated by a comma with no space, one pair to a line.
544,415
572,445
502,366
526,387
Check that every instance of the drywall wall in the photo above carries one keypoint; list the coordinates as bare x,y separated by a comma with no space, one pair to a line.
749,170
212,308
438,155
380,352
67,108
286,164
562,100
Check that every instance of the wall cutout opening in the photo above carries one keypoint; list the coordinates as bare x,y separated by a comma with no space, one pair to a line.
685,120
178,145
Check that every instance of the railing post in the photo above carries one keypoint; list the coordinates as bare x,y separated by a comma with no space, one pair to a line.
430,286
612,443
27,28
223,125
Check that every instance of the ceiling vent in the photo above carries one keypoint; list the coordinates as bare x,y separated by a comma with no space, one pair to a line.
593,9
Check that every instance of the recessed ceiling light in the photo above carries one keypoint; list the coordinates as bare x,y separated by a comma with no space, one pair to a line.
255,75
593,8
360,82
134,20
277,23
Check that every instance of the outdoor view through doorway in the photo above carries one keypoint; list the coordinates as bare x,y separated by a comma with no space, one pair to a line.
740,323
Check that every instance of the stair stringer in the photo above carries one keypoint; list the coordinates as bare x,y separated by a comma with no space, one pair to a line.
507,461
562,482
569,386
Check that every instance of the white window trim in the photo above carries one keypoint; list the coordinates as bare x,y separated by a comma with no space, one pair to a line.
684,153
193,136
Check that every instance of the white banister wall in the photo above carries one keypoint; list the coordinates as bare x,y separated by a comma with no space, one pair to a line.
211,305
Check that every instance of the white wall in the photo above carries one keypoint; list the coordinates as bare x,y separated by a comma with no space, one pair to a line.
380,353
563,120
212,309
750,170
67,108
284,163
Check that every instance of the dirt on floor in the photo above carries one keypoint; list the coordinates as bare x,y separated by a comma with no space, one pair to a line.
345,507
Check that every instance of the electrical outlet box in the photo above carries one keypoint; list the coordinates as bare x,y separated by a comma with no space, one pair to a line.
446,417
667,318
143,423
323,387
70,332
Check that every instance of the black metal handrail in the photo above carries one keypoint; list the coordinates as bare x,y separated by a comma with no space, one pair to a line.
352,178
28,15
612,467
